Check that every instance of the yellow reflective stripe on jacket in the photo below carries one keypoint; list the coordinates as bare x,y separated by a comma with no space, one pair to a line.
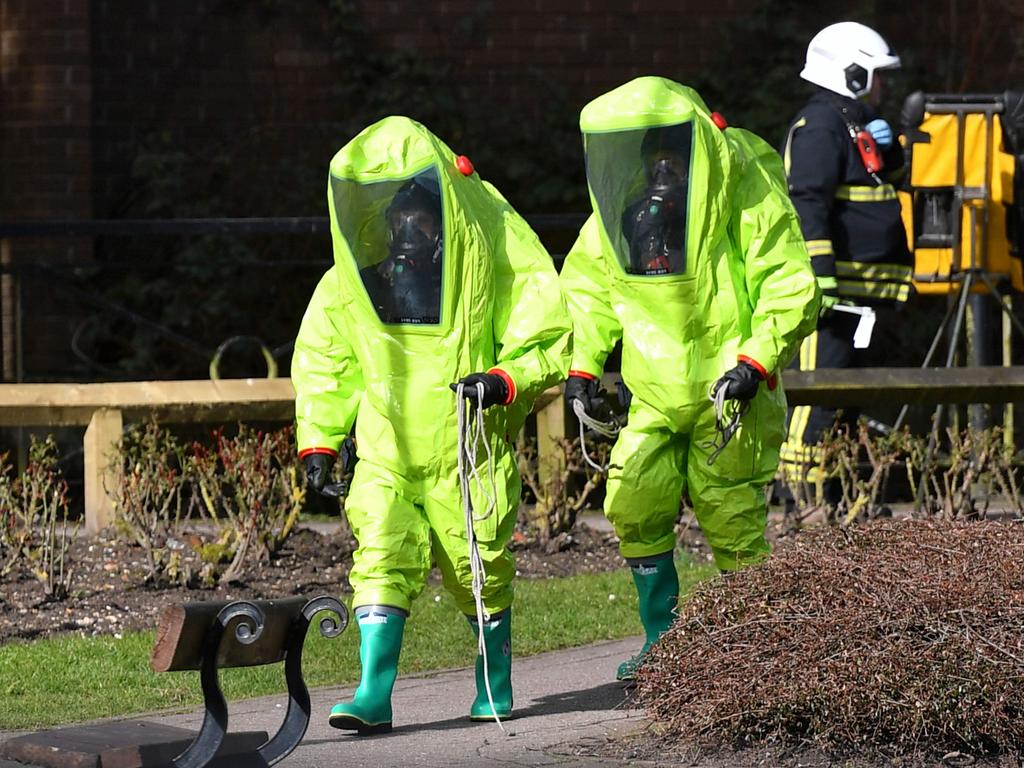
827,282
819,247
872,290
799,455
896,273
789,142
865,194
793,449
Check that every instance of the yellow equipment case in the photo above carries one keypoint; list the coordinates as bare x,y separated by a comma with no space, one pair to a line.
963,197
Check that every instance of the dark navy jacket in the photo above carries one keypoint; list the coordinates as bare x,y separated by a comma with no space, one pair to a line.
850,220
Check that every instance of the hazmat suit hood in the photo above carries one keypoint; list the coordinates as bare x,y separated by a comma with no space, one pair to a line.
393,191
659,174
692,256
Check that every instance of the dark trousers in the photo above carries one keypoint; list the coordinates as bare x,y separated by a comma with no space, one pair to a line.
830,346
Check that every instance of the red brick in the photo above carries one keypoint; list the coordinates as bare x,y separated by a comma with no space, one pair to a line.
38,77
41,11
76,41
559,41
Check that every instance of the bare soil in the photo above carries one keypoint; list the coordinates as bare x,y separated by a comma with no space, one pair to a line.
109,593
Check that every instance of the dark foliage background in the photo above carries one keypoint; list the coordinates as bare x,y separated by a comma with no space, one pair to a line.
166,303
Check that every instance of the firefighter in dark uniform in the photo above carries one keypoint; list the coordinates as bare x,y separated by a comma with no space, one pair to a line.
841,160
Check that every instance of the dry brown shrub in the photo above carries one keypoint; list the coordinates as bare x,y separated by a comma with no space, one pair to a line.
964,476
560,494
906,636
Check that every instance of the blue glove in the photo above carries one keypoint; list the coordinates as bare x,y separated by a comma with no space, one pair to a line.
881,131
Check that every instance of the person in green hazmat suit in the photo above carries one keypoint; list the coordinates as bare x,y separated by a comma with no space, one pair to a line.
436,281
694,259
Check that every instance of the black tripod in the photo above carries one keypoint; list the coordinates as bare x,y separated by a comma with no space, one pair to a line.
939,213
957,313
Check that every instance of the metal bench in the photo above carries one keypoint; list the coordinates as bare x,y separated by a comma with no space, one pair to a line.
209,636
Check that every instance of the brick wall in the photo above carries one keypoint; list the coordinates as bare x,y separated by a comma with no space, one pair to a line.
207,70
45,166
94,90
259,75
520,50
201,71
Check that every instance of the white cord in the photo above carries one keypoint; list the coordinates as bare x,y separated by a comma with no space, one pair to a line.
725,425
603,428
471,433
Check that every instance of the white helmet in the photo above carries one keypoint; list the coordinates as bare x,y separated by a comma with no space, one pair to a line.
844,57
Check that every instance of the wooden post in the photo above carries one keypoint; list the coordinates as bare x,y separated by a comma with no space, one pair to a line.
10,332
1008,426
101,437
550,429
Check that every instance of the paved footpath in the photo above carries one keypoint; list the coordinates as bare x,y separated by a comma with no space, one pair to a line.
564,701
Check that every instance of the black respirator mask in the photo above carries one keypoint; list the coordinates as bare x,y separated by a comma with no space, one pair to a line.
411,245
664,176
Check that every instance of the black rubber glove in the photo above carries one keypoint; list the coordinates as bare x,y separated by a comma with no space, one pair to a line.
495,388
625,394
347,457
583,389
318,470
742,382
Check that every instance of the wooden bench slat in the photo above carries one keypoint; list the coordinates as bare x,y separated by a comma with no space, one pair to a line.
183,627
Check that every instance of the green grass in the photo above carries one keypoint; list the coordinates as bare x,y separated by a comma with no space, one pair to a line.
71,679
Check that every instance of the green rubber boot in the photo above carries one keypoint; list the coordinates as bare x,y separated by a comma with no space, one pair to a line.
657,585
380,642
498,642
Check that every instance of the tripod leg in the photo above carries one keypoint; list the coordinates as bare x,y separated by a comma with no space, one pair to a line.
957,310
961,312
927,359
940,410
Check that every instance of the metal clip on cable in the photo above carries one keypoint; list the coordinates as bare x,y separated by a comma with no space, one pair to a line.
726,425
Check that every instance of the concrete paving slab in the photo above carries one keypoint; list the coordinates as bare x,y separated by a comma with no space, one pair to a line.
563,700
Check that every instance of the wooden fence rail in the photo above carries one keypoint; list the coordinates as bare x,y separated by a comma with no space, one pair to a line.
104,408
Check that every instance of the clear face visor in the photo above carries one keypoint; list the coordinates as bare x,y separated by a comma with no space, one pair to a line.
640,182
394,230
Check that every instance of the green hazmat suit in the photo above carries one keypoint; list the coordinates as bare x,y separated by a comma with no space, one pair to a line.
732,281
384,362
